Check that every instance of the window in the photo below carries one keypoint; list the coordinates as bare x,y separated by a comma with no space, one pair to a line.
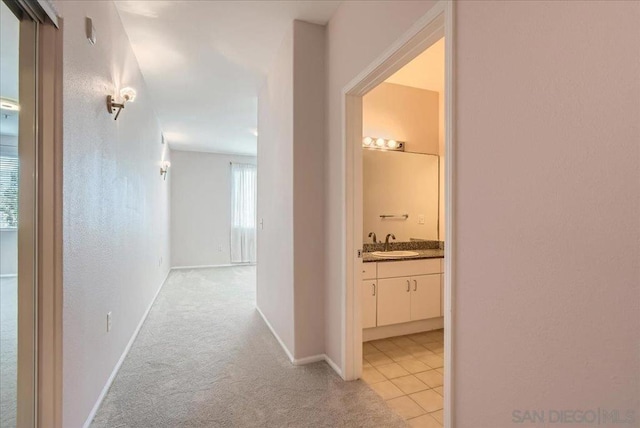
243,213
8,192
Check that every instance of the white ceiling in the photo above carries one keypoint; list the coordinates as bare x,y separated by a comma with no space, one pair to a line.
426,71
9,33
203,62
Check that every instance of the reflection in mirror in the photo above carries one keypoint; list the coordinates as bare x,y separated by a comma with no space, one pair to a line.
399,183
9,109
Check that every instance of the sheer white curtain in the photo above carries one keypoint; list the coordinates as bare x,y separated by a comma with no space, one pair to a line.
243,213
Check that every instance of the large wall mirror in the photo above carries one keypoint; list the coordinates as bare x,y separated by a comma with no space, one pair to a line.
400,194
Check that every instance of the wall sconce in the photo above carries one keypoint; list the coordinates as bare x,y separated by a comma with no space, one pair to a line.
164,169
382,144
127,94
9,105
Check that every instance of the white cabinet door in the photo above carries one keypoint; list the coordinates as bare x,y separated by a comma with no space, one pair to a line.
394,300
425,297
369,297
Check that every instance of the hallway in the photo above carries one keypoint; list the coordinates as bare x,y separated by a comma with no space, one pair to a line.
204,357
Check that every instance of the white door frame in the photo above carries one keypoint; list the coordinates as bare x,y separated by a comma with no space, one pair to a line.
437,22
27,226
40,300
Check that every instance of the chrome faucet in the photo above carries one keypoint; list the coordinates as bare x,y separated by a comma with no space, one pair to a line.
372,234
386,241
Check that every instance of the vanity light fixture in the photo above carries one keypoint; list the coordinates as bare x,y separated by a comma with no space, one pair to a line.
127,94
164,169
382,144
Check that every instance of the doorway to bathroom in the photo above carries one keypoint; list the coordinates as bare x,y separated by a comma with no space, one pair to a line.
398,123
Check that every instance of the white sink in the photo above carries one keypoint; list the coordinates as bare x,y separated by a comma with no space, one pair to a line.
393,254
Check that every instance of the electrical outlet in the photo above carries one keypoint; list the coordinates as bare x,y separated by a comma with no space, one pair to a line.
220,248
421,219
108,321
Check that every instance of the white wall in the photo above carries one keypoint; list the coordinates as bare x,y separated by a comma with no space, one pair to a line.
555,177
115,204
201,207
274,292
402,113
291,190
308,188
547,197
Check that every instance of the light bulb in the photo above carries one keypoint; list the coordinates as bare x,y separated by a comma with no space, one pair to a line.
128,94
380,142
367,141
392,144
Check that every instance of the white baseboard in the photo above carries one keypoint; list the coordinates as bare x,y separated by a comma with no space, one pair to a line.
308,360
376,333
212,266
317,358
304,360
266,321
106,387
333,365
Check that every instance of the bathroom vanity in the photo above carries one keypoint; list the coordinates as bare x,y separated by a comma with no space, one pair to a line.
402,296
402,269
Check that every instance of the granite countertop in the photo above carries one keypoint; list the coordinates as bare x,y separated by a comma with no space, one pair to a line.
433,253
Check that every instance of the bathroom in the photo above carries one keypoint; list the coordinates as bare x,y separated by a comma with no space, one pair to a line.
403,213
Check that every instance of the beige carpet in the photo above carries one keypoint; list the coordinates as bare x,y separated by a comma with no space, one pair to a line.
205,358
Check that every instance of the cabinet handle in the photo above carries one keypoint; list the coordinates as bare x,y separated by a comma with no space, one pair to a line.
374,289
408,286
415,285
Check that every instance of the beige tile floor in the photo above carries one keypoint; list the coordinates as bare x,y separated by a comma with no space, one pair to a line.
407,371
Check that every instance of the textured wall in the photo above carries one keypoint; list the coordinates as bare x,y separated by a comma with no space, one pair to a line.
201,207
116,205
547,209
